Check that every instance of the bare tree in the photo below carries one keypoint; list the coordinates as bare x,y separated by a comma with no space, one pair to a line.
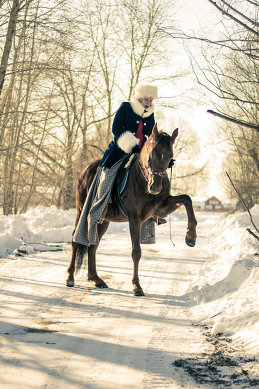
18,129
63,72
242,162
141,37
229,72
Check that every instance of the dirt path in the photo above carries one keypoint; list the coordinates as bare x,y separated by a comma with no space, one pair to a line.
57,337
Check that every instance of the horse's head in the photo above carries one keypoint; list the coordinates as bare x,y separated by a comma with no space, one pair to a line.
155,157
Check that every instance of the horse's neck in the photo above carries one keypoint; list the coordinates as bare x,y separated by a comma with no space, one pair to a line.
143,156
141,168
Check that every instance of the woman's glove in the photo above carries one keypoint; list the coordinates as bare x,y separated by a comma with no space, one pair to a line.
127,142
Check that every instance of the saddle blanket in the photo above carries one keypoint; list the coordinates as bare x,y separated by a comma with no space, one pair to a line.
120,184
95,208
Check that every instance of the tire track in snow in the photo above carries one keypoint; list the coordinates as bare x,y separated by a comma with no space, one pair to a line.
159,372
158,363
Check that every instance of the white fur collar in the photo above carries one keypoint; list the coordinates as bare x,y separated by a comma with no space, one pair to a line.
139,109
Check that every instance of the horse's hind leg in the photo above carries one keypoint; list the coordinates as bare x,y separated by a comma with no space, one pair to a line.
92,272
71,268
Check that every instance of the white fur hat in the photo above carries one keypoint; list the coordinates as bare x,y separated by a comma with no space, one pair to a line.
142,90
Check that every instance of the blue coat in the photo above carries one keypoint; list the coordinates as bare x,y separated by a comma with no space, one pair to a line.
126,119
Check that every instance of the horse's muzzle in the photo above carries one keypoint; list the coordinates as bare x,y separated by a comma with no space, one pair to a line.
154,187
154,193
155,178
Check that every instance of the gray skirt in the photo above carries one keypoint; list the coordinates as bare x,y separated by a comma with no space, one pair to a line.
95,208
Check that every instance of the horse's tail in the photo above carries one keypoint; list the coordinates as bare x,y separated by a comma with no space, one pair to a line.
83,184
81,255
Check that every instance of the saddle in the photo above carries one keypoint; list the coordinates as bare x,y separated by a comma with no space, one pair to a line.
120,184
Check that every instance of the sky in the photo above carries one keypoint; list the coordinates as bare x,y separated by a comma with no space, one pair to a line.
198,14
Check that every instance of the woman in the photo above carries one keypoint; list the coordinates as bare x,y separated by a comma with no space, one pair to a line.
132,125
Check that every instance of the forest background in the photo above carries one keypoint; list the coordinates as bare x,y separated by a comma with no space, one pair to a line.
66,66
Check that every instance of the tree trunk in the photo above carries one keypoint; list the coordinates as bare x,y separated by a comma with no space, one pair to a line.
8,42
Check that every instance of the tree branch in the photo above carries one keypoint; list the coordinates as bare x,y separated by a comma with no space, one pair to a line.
240,13
240,122
233,18
252,233
242,201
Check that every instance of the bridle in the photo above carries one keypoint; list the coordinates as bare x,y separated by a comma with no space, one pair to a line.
153,173
147,171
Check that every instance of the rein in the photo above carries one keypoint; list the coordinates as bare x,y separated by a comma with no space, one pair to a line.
169,216
142,171
150,172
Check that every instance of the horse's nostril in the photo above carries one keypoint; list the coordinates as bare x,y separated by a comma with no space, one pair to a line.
154,190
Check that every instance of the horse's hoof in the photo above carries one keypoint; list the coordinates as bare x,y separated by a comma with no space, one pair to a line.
101,285
190,242
138,292
70,283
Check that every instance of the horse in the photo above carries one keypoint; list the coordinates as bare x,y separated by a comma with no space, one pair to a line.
146,195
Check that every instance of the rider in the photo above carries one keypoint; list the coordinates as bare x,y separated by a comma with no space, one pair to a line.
132,125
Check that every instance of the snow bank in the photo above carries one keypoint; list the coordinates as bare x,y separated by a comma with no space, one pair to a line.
226,287
38,226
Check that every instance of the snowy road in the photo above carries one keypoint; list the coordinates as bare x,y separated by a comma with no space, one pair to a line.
57,337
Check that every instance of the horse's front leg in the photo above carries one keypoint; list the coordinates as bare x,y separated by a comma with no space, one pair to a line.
172,203
134,224
191,234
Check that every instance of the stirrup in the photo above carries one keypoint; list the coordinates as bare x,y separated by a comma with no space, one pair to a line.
159,220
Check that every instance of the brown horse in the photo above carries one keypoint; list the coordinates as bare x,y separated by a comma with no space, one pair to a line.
147,195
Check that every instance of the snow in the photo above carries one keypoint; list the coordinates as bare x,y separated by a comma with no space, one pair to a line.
218,328
85,337
226,285
39,226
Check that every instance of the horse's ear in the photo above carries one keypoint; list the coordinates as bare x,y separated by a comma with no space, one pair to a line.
174,134
155,130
